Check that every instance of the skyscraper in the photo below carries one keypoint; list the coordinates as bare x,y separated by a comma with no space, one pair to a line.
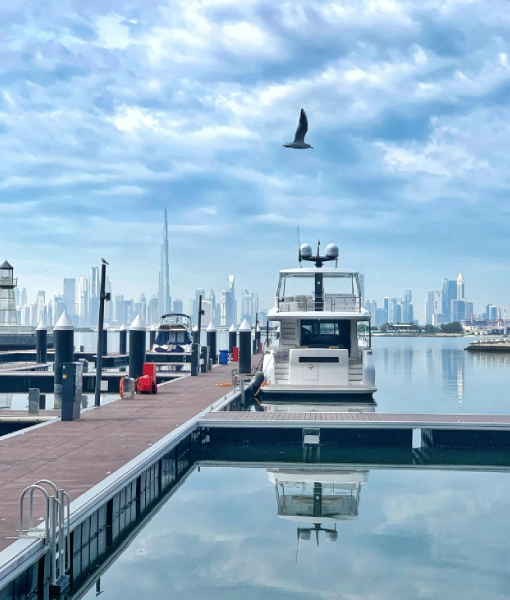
460,287
164,299
448,293
70,296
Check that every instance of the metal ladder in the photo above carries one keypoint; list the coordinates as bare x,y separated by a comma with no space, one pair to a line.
56,533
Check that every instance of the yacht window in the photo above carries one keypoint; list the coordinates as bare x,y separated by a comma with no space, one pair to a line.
324,334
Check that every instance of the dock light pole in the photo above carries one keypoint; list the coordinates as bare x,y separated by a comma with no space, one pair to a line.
103,296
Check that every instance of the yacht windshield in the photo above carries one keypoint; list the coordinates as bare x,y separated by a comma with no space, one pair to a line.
325,334
304,286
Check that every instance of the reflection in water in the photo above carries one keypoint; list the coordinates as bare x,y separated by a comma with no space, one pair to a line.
317,500
452,363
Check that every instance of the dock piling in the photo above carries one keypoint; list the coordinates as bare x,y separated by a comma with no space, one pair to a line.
245,347
137,336
232,340
41,343
123,339
211,342
64,352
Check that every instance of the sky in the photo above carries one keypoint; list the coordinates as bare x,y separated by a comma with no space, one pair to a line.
112,111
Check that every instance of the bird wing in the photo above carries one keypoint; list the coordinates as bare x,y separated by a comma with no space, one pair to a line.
302,127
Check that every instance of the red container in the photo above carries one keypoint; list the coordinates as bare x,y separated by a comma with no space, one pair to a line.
149,369
235,354
147,385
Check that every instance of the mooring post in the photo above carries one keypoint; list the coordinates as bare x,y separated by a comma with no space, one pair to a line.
211,342
232,340
105,342
41,343
103,297
152,337
123,339
257,334
245,347
195,359
64,352
137,341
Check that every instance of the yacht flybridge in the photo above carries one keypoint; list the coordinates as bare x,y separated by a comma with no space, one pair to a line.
324,343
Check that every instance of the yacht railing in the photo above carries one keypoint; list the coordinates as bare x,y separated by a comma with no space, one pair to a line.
329,302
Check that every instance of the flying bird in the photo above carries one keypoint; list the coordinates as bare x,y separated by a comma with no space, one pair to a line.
299,139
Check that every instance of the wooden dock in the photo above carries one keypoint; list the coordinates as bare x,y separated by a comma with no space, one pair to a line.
77,455
355,420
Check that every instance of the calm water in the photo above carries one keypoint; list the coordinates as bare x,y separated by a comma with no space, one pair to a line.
418,534
400,533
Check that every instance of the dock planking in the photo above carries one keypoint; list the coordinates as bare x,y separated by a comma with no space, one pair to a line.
80,454
365,420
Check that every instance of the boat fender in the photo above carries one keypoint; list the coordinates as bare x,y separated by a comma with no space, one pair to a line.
121,388
256,382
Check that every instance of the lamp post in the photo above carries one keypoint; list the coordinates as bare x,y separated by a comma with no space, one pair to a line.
103,296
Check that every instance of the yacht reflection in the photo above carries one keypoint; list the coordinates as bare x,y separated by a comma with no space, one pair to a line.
317,500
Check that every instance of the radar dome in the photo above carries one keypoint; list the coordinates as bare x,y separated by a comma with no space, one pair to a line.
305,535
306,250
331,536
332,251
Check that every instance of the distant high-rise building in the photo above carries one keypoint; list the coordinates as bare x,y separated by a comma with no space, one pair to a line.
230,302
23,297
469,311
178,306
448,294
94,285
153,315
460,287
433,308
458,310
39,303
83,302
164,299
69,295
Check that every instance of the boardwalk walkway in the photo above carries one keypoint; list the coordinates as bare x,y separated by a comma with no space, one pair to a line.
78,455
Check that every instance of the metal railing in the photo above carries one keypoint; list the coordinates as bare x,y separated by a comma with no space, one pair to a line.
328,302
56,533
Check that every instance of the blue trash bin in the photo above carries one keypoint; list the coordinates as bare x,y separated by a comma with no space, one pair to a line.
223,357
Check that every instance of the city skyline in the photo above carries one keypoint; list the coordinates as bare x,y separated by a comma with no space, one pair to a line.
111,112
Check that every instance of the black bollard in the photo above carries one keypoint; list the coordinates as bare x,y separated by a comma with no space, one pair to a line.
245,348
195,359
211,342
105,342
152,337
42,401
123,340
257,338
137,337
204,359
232,339
64,352
41,343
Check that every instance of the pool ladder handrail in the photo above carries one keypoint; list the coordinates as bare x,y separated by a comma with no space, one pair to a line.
56,524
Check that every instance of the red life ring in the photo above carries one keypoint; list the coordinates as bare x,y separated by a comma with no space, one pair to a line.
121,387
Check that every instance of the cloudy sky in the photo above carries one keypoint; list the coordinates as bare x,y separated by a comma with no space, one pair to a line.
111,111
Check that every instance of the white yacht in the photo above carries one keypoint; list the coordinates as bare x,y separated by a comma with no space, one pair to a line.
324,343
174,334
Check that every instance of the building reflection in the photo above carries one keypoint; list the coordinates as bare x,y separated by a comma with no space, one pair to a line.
317,500
453,371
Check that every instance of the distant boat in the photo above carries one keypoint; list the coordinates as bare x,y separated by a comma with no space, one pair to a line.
174,334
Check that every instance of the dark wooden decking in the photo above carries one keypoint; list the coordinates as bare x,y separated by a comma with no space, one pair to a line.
78,455
364,420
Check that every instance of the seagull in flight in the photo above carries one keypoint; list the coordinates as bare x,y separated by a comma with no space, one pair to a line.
299,139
